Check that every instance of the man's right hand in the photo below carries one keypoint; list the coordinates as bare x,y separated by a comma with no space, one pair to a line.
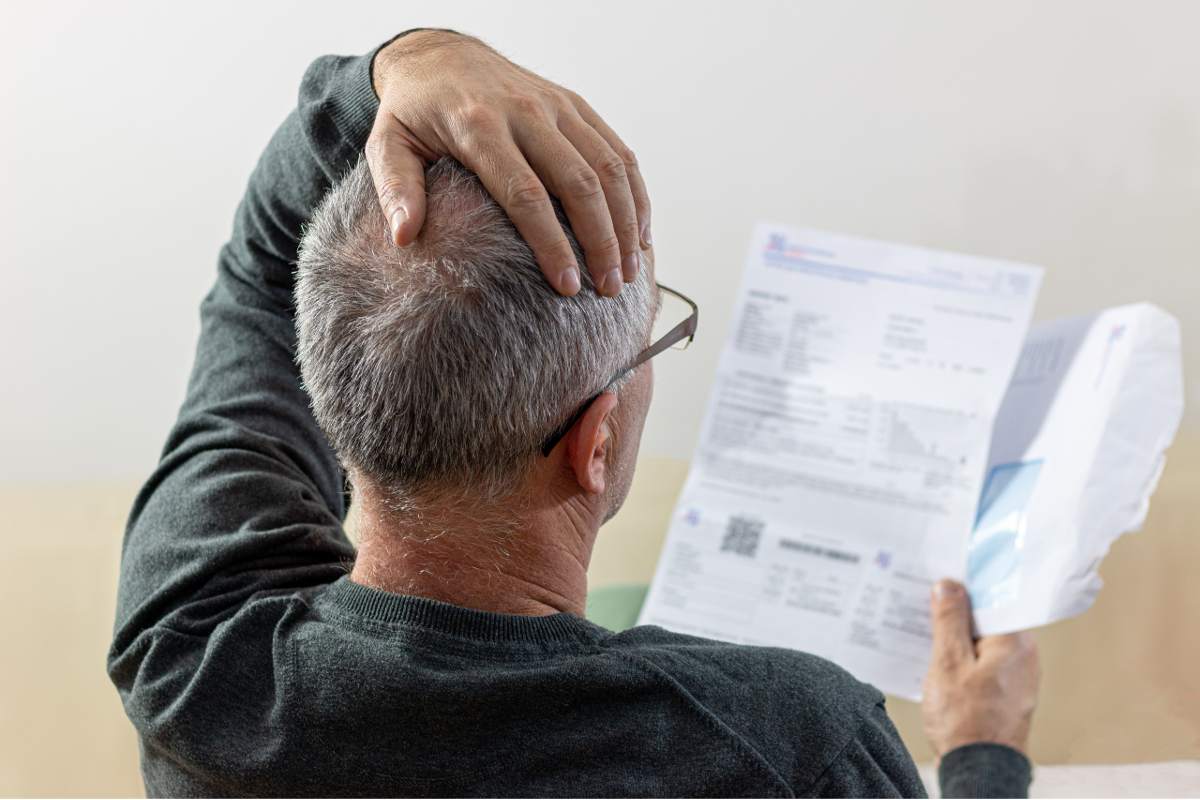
977,690
526,138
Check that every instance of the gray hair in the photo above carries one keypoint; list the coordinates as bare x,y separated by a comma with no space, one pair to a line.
444,365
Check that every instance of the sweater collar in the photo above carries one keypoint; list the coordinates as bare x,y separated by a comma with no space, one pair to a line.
465,623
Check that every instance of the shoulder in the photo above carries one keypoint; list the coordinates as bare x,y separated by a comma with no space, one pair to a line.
797,710
774,674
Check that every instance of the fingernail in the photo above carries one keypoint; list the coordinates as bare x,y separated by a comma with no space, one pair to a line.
568,281
611,284
946,590
398,218
646,239
629,267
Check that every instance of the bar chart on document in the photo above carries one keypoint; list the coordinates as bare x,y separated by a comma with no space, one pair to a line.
843,450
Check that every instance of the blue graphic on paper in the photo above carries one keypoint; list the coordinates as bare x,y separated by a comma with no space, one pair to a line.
998,540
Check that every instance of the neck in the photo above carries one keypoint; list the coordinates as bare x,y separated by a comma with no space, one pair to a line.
527,558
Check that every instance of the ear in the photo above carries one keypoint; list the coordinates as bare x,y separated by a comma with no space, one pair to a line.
588,443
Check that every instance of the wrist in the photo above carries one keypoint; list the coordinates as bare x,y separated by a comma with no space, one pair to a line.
390,57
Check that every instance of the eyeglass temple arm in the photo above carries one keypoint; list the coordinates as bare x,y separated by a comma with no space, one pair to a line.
684,330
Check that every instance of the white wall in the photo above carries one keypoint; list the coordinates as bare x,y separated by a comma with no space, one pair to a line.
1065,134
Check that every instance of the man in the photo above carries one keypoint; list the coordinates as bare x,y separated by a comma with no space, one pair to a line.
488,427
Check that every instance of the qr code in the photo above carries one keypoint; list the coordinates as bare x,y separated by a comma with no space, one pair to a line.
742,536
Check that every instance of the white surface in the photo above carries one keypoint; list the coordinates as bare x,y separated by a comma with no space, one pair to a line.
1060,133
843,452
1163,779
1076,454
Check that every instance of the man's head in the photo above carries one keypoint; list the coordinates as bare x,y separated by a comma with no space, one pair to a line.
440,368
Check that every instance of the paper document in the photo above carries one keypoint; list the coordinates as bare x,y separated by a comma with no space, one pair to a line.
1076,453
848,444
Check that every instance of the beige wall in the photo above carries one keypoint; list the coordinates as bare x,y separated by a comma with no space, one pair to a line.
62,729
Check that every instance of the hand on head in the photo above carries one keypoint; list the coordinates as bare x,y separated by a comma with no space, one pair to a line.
442,93
977,690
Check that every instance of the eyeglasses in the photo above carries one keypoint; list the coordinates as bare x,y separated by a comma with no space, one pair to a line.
681,335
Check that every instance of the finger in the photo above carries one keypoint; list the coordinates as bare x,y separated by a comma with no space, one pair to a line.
399,175
567,174
504,172
618,195
637,184
950,613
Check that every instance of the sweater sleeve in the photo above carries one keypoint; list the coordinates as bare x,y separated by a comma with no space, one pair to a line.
248,495
984,769
874,763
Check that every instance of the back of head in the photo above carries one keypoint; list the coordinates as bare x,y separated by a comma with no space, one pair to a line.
445,364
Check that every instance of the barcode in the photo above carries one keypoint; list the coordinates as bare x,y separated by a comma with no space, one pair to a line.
815,550
742,536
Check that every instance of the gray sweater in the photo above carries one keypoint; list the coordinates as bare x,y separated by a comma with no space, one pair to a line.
251,665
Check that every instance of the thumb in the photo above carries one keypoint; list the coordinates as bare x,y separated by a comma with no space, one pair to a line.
399,174
950,613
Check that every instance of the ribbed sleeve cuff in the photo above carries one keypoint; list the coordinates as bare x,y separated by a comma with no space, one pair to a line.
356,104
984,769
